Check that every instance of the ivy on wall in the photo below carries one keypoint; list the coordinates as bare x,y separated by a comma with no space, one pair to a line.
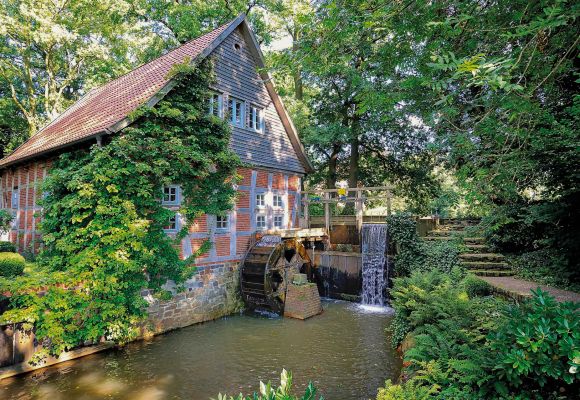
103,220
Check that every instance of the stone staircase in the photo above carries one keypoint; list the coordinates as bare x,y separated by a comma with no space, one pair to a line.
476,255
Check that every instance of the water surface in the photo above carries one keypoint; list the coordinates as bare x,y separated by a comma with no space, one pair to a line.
345,352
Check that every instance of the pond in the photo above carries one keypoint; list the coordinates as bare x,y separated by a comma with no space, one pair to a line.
344,351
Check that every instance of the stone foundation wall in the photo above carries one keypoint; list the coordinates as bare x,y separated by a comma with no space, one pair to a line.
212,293
302,301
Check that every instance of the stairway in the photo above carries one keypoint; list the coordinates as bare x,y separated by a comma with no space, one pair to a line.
476,255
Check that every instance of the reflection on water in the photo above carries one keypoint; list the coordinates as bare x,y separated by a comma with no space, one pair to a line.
344,351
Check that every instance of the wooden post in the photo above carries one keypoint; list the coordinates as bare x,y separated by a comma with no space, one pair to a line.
359,210
327,212
306,202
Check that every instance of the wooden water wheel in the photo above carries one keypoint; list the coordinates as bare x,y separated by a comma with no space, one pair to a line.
268,268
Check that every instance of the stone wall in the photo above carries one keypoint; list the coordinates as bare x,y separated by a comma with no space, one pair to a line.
302,301
212,293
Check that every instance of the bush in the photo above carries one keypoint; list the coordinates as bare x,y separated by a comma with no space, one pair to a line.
7,247
476,287
409,390
538,349
5,220
546,266
11,264
267,392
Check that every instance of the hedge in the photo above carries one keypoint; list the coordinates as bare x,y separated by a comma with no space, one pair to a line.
11,264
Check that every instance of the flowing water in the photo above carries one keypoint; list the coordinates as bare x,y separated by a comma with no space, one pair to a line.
375,266
344,351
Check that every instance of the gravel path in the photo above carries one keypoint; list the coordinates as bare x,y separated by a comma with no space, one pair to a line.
522,288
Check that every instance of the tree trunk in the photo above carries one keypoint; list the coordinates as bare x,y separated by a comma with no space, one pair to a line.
353,167
332,164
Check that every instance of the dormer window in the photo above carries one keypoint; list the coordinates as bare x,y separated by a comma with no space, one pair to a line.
256,119
170,195
236,109
216,105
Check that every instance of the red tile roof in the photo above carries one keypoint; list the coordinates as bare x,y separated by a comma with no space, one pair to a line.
103,107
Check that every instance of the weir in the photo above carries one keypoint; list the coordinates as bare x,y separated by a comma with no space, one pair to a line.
375,265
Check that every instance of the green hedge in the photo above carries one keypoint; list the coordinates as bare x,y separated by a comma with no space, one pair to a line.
7,247
11,264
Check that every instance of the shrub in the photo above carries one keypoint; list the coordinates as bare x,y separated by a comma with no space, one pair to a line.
7,247
545,266
409,390
475,286
267,392
415,254
5,220
538,348
11,264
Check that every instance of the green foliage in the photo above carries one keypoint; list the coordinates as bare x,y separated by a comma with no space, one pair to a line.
6,219
409,390
538,348
475,286
282,392
103,220
472,347
8,247
546,266
415,254
11,264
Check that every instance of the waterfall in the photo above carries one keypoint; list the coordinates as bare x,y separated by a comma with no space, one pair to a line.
375,265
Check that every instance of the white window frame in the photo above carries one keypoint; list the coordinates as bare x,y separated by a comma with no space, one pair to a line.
256,119
278,201
220,104
177,200
222,223
279,217
176,229
259,225
15,199
235,118
262,202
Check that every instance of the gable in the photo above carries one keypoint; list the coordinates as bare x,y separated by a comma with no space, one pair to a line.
237,76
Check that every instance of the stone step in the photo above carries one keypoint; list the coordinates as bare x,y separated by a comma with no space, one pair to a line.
477,248
474,240
493,272
481,257
444,233
434,238
485,265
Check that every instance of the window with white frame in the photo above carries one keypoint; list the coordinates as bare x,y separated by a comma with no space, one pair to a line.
172,225
278,201
222,222
260,222
15,199
256,119
216,105
237,110
170,195
260,200
278,221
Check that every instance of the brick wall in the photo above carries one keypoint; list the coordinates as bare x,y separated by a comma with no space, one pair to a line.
227,246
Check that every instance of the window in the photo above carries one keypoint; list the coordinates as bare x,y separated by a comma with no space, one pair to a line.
15,199
236,109
278,221
172,225
278,201
216,105
170,195
260,222
222,222
256,119
261,200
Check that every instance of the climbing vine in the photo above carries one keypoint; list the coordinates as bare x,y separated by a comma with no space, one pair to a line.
103,220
